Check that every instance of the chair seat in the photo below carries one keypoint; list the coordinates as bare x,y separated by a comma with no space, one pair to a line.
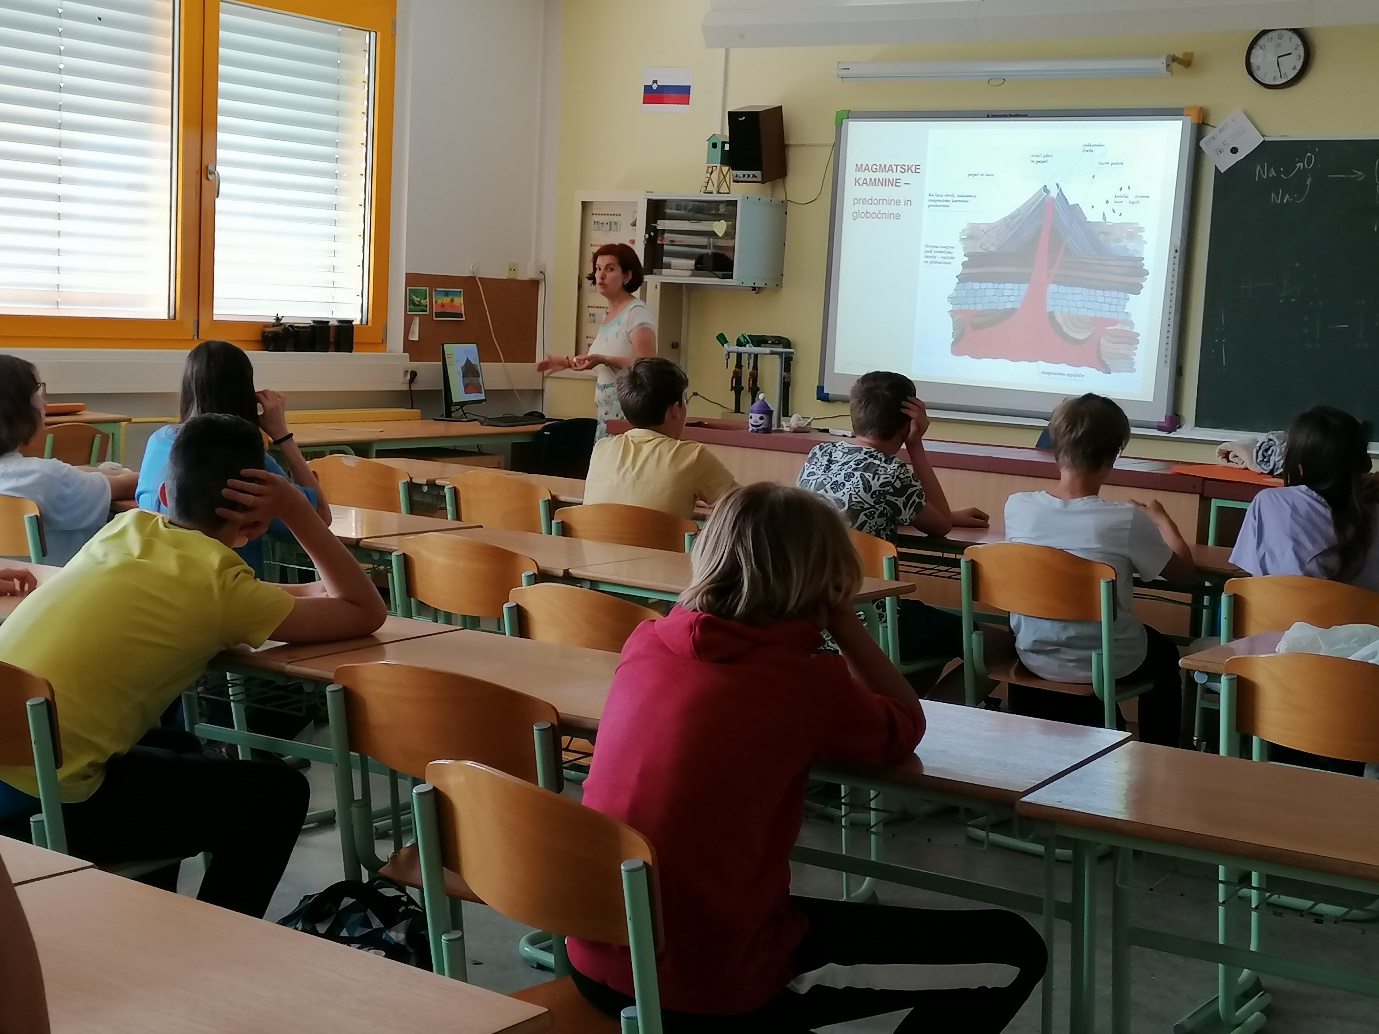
570,1012
1010,670
404,867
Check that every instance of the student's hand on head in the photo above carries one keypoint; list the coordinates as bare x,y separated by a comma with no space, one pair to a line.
971,517
261,497
273,418
919,419
17,581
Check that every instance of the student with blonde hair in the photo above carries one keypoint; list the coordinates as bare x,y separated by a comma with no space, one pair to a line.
739,662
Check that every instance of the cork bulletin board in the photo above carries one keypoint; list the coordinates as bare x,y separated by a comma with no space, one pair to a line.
512,306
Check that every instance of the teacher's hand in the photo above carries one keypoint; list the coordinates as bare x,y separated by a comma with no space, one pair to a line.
587,361
553,363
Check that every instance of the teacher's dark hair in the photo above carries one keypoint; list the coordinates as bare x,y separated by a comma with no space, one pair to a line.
1328,451
218,378
627,261
19,420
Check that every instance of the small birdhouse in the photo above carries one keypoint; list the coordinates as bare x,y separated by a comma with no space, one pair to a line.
718,151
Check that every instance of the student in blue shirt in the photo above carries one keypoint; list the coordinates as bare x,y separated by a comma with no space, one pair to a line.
219,378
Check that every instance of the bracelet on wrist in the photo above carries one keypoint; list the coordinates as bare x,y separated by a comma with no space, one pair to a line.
284,438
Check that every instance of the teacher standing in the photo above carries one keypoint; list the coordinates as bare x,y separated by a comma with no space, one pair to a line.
628,332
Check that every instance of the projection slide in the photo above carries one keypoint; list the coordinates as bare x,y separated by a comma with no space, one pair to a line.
1007,262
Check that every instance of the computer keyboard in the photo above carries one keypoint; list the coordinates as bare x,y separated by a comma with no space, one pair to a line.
507,420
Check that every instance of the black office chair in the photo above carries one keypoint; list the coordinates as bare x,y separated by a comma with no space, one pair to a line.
564,446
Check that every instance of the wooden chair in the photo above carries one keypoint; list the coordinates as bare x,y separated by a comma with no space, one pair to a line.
497,832
1274,603
354,481
1308,702
1042,582
78,444
881,559
404,717
626,525
35,741
21,529
494,500
554,613
457,576
24,1005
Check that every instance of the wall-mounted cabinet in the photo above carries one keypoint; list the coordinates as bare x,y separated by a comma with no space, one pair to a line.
723,240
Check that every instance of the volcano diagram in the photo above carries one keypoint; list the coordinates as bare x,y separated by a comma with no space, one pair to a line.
1047,284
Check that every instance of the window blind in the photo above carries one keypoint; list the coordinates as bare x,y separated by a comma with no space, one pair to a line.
292,157
86,145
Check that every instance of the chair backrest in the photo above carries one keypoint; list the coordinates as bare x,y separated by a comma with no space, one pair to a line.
1323,705
875,553
1038,581
462,575
406,717
354,481
567,614
17,688
77,444
15,525
497,833
563,447
1272,603
627,525
500,500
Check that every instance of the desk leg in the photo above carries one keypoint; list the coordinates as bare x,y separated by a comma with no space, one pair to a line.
1050,918
1081,1005
239,712
1120,943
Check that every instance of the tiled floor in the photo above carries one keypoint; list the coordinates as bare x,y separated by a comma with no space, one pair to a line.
1165,988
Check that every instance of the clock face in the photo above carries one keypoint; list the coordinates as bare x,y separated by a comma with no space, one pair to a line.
1277,57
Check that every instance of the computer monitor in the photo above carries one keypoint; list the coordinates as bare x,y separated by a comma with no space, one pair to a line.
463,382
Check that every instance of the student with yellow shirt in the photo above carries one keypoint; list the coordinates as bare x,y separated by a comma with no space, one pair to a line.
649,465
132,621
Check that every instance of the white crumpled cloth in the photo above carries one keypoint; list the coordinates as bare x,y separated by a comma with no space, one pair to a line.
1357,642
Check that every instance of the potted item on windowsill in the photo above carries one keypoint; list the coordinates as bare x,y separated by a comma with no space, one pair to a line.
275,336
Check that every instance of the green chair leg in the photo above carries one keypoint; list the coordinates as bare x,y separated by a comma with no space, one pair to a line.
452,503
342,767
42,735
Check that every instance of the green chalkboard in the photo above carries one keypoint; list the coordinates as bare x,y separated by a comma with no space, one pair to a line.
1291,313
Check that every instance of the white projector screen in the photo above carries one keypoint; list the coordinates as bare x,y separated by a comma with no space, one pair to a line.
1007,260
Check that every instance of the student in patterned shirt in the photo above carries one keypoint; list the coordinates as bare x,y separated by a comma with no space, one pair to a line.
879,492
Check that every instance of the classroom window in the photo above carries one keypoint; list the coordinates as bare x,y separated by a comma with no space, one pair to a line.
292,166
172,170
86,158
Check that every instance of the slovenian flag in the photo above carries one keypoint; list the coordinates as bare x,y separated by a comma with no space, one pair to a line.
666,86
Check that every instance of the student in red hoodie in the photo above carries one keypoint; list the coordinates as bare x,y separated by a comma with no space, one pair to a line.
739,664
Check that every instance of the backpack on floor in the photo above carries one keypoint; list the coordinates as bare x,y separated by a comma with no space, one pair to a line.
378,917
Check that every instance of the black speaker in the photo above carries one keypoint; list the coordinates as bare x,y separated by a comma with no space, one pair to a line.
757,154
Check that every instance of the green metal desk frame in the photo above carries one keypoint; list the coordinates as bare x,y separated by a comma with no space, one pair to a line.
452,441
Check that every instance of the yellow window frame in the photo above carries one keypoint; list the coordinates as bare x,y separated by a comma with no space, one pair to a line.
193,245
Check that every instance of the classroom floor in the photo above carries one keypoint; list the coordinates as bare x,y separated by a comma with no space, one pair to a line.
1181,900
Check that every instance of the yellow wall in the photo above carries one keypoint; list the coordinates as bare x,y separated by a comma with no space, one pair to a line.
608,143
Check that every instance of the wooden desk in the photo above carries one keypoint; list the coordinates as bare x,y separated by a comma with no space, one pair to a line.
574,680
1212,661
353,524
433,472
278,657
43,572
1238,814
122,958
112,424
989,755
366,439
27,863
564,491
668,574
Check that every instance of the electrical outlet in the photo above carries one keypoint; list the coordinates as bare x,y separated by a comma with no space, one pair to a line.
512,271
473,267
408,375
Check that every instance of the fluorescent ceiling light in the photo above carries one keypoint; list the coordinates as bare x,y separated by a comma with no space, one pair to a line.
1050,68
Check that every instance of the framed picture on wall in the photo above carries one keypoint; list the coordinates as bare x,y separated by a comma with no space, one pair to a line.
447,303
418,301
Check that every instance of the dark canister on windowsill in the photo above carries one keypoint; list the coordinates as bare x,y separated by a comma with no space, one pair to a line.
320,335
344,335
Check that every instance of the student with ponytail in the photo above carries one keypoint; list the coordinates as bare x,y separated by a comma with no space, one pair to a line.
1324,522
